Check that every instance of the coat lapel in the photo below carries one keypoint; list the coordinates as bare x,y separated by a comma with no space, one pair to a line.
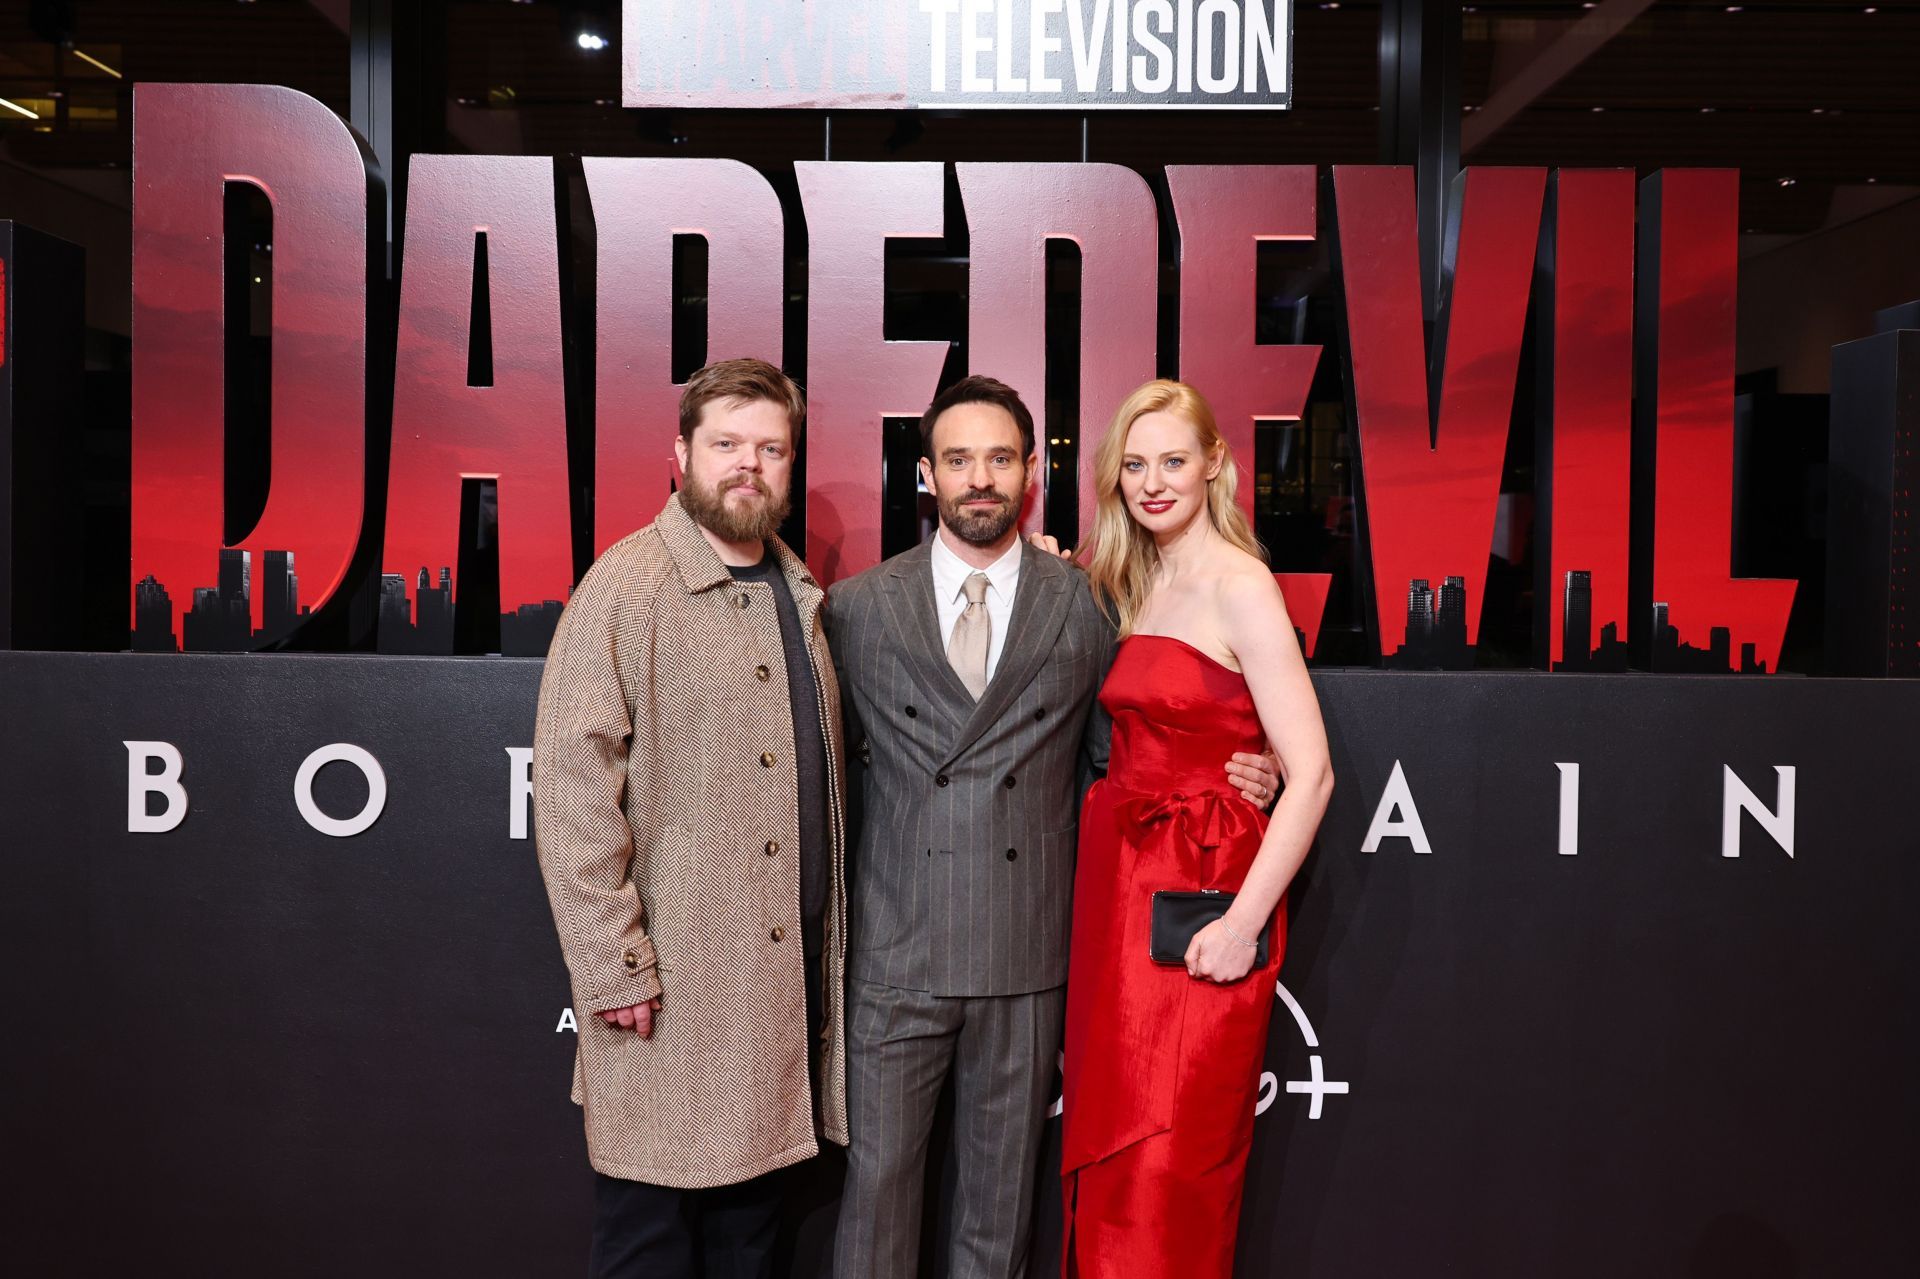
1039,611
915,619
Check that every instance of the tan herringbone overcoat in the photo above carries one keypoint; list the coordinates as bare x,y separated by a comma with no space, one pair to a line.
666,812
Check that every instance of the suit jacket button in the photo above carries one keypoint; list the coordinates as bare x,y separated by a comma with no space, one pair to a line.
940,780
1009,782
773,848
779,933
1013,854
1040,714
632,961
762,674
912,713
766,760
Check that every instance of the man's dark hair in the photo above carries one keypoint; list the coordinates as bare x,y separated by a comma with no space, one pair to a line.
977,390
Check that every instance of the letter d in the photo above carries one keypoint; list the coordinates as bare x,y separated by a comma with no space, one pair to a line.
142,783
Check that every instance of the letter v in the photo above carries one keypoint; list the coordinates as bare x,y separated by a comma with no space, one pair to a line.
1433,433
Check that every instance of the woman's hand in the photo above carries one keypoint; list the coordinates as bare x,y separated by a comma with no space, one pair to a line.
1213,954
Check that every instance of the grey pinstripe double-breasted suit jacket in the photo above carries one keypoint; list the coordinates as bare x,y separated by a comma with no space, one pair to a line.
962,876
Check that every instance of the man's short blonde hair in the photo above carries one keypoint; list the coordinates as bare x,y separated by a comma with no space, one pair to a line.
741,381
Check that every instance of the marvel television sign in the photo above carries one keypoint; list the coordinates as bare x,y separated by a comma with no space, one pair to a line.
958,53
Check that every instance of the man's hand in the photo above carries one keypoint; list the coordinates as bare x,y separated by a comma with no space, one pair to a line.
638,1018
1257,777
1050,544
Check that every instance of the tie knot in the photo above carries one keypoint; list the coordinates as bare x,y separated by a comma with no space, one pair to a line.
976,588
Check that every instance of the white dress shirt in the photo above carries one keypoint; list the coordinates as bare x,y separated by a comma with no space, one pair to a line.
950,574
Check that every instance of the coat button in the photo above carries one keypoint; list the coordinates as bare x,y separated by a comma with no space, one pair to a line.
779,933
766,760
773,848
740,601
940,780
1009,782
912,713
1040,714
762,674
632,961
1013,854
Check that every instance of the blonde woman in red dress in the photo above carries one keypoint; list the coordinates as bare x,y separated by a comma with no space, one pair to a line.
1163,1059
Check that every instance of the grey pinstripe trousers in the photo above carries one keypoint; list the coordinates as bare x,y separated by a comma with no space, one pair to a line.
1002,1051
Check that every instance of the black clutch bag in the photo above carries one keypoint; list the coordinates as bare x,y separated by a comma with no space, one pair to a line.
1177,916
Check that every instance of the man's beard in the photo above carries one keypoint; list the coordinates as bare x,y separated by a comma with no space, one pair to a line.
708,506
979,528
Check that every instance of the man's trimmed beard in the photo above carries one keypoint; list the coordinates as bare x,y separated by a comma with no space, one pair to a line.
979,528
708,506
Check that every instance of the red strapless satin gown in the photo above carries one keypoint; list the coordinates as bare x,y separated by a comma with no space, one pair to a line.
1162,1071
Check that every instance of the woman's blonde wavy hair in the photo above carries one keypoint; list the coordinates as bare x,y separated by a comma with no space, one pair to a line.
1121,556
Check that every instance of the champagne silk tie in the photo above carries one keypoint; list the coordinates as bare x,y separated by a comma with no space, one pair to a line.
967,649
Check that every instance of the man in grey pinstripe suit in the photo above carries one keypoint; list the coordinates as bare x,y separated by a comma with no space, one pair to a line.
968,667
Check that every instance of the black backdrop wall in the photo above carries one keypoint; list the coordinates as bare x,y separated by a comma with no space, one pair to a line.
242,1046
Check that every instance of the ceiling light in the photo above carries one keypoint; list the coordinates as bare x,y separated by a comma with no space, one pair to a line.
1708,110
1786,182
90,60
588,40
31,115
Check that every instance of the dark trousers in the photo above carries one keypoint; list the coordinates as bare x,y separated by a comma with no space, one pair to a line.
725,1232
722,1232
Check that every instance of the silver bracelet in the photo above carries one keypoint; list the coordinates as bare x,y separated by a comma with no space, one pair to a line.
1236,936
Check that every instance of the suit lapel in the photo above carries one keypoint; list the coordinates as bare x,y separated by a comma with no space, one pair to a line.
911,609
1039,611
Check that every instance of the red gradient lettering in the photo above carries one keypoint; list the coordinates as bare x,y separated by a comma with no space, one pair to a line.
1108,211
855,377
1431,472
1224,212
1688,284
1585,471
189,141
639,206
513,431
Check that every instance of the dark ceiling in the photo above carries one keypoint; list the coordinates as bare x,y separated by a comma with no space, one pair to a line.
1807,100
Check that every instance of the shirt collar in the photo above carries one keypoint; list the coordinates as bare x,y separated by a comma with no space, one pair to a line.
950,572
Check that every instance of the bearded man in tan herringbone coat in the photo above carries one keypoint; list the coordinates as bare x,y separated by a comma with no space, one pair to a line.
687,777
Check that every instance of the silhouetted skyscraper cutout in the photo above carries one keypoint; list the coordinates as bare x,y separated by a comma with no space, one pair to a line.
280,595
1450,622
1672,655
433,612
1436,626
394,621
1576,643
1419,614
236,575
152,617
528,630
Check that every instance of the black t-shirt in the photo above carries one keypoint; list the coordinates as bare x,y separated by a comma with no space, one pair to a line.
809,754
